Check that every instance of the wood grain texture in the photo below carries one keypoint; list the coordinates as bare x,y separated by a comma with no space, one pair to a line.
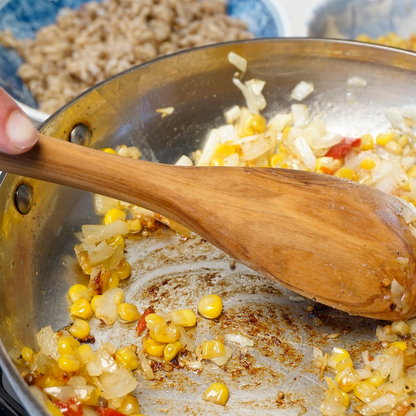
326,238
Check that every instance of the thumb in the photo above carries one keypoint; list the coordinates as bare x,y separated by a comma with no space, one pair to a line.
17,133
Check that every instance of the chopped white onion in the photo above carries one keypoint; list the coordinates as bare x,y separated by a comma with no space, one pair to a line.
239,339
100,253
103,204
232,160
302,90
214,139
232,114
47,342
256,86
326,141
397,120
105,232
356,82
167,111
147,369
254,149
184,161
248,95
305,153
300,115
279,122
187,342
228,133
224,358
117,384
382,336
105,308
238,61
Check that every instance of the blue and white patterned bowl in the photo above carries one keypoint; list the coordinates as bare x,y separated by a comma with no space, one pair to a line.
265,18
346,19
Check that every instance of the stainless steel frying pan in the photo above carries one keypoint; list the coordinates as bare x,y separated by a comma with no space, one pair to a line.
38,221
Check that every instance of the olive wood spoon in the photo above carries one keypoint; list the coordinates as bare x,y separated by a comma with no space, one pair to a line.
328,239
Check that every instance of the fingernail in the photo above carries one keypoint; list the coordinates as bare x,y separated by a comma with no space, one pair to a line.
21,131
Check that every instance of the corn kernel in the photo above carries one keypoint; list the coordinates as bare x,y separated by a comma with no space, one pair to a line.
154,348
346,173
223,151
338,354
399,344
79,291
411,173
113,281
152,320
127,357
84,353
347,379
123,269
246,132
343,364
212,349
113,215
93,300
27,354
81,308
80,329
129,406
172,350
217,162
276,158
366,392
164,333
403,140
217,393
55,411
367,142
68,363
109,150
257,122
128,312
183,317
135,225
67,345
394,147
210,306
383,139
368,164
116,241
49,381
286,132
376,379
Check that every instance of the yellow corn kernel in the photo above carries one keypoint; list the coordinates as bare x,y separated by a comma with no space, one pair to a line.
113,281
152,320
383,139
81,308
183,317
84,353
80,329
27,354
366,392
368,164
116,241
217,393
212,349
78,291
256,122
164,333
286,132
172,350
154,348
276,158
67,345
399,344
109,150
210,306
217,162
68,363
135,225
129,406
128,312
411,173
49,381
367,142
394,147
346,173
347,379
343,364
55,411
123,269
246,132
113,215
338,354
93,300
376,379
223,151
403,140
127,357
406,197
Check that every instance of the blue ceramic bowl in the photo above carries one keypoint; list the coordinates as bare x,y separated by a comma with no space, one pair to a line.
265,18
346,19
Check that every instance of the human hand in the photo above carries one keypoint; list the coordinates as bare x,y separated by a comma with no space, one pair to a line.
17,133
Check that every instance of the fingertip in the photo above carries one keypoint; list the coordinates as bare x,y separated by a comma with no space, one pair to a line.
21,132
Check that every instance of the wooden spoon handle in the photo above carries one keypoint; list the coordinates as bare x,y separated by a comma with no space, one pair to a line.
328,239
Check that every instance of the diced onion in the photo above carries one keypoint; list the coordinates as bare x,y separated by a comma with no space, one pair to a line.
103,204
117,384
213,140
302,90
147,369
356,82
305,153
184,161
105,308
279,122
167,111
239,339
248,95
300,115
47,342
232,114
105,232
238,61
100,253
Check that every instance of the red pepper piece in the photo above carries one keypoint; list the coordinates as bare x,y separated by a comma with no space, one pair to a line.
141,325
70,408
104,411
341,149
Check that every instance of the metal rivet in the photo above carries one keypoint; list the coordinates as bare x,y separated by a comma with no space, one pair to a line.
23,199
80,134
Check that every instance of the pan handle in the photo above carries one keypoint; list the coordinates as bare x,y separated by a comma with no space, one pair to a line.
9,406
